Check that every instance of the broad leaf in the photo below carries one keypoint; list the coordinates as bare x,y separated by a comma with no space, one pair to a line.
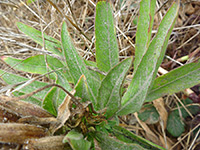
76,141
108,143
148,66
177,80
76,65
51,44
175,125
149,114
144,28
109,94
106,43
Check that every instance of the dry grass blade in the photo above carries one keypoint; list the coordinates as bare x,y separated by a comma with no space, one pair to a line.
47,143
23,108
19,133
63,113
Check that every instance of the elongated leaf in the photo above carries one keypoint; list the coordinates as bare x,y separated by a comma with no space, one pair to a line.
148,66
34,64
175,81
144,28
129,137
76,65
76,141
108,143
51,44
31,99
106,43
11,79
109,94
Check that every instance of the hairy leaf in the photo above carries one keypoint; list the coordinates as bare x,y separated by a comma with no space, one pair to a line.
109,94
107,143
148,66
76,65
144,28
51,44
177,80
106,43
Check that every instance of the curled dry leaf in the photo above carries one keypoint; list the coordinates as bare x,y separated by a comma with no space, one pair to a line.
23,108
160,107
37,121
46,143
19,133
63,113
6,115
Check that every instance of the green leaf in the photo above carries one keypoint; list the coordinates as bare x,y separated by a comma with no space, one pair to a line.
76,65
33,64
148,66
144,28
29,2
82,89
177,80
51,44
56,96
76,141
129,137
149,114
106,42
48,103
31,99
109,143
175,125
109,95
11,79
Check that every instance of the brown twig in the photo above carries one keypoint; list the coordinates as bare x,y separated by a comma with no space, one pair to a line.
74,99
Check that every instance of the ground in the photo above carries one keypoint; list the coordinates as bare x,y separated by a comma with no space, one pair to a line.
184,43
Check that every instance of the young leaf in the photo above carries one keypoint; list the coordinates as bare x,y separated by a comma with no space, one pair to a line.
147,68
76,141
107,143
76,65
48,103
109,95
106,42
176,80
144,28
82,89
51,44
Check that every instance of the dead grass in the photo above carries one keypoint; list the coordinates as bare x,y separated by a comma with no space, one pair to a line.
184,41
